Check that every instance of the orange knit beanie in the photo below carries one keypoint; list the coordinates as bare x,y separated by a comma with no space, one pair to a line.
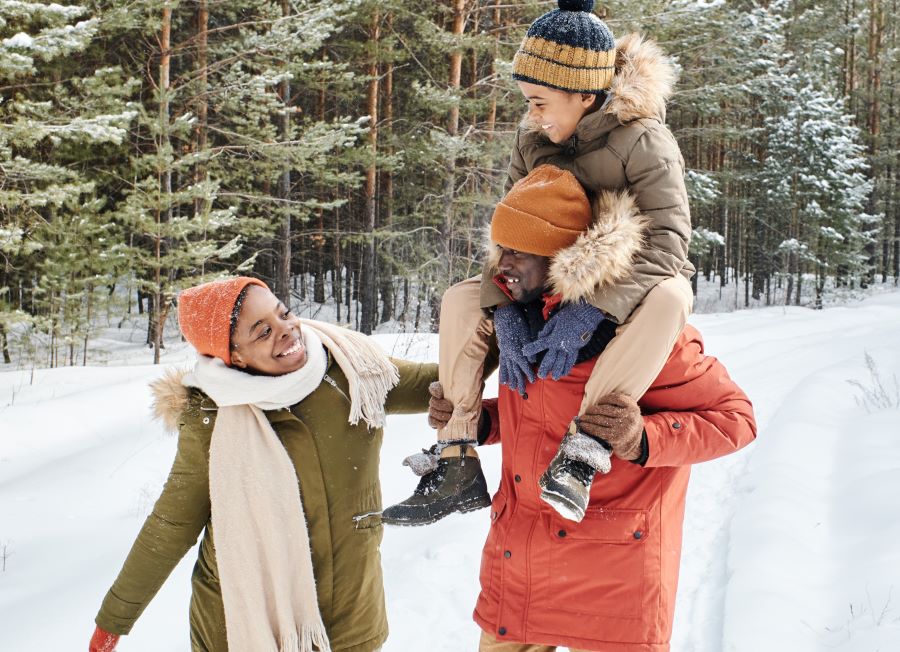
542,213
204,314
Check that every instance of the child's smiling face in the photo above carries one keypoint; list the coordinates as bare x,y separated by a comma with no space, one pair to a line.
554,112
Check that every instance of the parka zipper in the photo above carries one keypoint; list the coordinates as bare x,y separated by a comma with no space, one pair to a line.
328,379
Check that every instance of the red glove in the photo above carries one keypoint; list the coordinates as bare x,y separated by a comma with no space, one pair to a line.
103,641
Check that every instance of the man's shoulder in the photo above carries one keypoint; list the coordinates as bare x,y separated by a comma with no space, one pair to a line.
686,361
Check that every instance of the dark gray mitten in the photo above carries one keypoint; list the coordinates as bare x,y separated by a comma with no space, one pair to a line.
562,337
512,335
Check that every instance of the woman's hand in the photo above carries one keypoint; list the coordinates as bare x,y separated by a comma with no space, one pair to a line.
103,641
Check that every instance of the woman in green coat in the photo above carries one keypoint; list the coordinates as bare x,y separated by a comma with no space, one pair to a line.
277,465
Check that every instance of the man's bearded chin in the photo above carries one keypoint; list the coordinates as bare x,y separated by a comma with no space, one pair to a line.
532,295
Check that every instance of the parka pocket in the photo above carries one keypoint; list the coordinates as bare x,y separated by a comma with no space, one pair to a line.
367,520
492,545
367,512
597,567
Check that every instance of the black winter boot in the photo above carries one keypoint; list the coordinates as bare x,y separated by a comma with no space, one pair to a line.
456,485
566,484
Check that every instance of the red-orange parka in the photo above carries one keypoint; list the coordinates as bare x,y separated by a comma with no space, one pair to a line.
607,583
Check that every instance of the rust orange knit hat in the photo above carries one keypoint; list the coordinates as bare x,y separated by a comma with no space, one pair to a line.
204,314
542,213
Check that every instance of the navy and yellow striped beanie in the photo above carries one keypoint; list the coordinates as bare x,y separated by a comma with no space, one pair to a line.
569,49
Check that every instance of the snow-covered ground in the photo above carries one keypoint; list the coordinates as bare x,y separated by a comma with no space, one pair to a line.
791,544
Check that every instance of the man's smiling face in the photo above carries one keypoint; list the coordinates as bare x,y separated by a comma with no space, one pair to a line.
524,274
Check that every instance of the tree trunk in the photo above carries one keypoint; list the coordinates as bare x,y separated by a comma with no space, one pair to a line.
89,290
4,345
283,271
368,298
873,121
319,239
164,179
200,129
492,110
388,296
455,75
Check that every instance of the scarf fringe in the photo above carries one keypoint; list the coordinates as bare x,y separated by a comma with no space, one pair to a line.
305,639
369,371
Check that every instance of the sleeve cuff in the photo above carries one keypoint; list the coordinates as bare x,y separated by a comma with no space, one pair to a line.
645,450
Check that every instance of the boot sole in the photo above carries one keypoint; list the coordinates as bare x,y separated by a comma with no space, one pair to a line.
461,508
562,505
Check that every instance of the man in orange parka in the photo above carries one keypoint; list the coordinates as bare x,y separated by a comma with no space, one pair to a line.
607,582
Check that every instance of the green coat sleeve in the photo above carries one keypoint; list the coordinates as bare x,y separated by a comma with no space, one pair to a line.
178,518
411,393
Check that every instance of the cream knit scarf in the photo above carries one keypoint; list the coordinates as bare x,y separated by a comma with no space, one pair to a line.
258,525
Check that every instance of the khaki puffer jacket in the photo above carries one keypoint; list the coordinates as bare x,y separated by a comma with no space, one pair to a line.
337,468
624,146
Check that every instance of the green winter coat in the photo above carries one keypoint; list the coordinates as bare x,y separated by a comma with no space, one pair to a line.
337,469
624,146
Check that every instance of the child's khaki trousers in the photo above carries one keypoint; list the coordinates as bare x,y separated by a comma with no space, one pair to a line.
631,361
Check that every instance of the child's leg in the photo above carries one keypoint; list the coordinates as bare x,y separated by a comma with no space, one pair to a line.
463,345
637,353
489,643
630,363
456,482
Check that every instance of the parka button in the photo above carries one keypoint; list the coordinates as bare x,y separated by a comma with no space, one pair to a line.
524,396
676,425
518,478
206,420
507,554
638,534
562,533
502,631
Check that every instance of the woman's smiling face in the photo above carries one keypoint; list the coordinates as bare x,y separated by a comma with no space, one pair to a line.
266,338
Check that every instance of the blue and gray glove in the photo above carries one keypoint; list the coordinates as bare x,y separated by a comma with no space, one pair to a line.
512,334
562,337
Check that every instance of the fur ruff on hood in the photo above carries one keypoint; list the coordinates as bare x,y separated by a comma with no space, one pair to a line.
170,398
644,80
600,256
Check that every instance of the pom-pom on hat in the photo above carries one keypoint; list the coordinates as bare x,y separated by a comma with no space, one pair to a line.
569,49
204,314
542,213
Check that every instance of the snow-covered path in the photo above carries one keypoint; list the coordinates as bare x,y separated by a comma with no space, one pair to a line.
789,544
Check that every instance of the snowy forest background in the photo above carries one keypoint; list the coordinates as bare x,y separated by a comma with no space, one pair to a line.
350,152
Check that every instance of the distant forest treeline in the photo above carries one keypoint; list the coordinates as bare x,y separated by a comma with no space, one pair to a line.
351,151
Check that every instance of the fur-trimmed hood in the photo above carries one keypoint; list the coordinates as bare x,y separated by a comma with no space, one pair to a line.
600,256
170,398
644,80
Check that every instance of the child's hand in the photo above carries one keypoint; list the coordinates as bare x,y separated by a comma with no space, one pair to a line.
512,335
562,337
617,420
